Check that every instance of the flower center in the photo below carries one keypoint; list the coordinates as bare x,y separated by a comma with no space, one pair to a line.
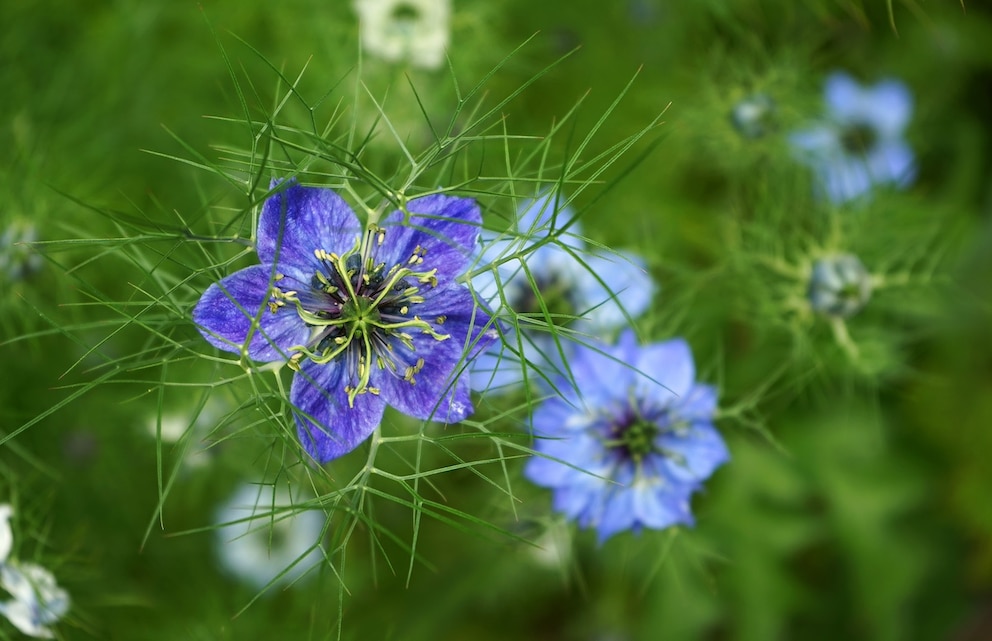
359,312
634,439
858,138
554,291
405,12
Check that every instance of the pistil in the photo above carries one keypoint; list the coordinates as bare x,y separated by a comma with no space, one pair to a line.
359,310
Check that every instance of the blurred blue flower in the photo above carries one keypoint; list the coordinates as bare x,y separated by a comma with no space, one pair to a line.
861,143
367,317
626,447
839,286
588,291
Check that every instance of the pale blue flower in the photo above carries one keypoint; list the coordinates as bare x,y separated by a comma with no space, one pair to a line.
590,292
627,446
860,143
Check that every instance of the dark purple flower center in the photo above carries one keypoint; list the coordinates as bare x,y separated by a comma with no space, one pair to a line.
636,439
359,310
553,290
858,138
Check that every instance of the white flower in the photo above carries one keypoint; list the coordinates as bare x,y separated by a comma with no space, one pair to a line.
414,30
262,535
17,260
38,601
6,536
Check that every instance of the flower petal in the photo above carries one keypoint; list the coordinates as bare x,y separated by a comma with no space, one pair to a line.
699,452
604,308
298,220
437,392
888,107
667,369
327,426
893,162
845,97
658,503
226,313
446,227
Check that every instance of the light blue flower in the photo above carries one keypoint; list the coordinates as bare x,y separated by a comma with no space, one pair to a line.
860,144
626,447
590,292
367,316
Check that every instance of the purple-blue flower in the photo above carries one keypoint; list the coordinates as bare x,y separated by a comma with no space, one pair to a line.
367,316
626,447
589,292
861,142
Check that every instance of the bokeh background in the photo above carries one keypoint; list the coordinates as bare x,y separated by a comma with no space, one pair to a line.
856,504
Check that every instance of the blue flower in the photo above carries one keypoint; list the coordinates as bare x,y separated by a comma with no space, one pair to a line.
861,144
626,447
590,292
366,316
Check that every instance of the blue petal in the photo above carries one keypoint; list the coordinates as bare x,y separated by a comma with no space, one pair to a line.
498,368
658,503
436,393
845,179
327,426
225,314
698,405
817,142
845,97
667,369
582,451
617,512
700,451
888,107
441,390
604,309
299,220
445,226
892,161
539,216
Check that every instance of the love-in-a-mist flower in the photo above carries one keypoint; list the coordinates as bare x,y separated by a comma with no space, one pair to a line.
413,30
627,446
263,539
37,600
367,316
589,291
839,286
860,143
